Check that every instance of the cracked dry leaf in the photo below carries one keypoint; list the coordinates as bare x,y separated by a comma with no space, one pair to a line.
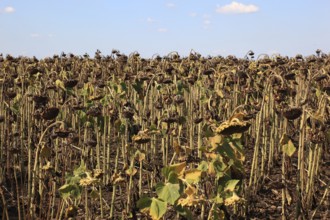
193,176
190,190
178,168
131,171
233,126
210,155
215,141
98,173
60,84
288,196
289,148
240,116
117,178
190,201
48,166
139,156
232,200
88,181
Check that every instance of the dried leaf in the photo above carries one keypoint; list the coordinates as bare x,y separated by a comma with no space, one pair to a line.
289,148
178,168
232,200
190,190
131,171
215,141
193,176
288,196
60,84
45,151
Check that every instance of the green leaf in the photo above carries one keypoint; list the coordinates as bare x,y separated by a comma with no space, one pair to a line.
218,200
80,170
203,166
144,203
226,150
123,86
207,131
157,208
217,167
231,184
65,190
15,108
69,189
137,86
289,148
222,183
173,177
179,85
237,142
76,192
94,194
70,179
168,192
122,129
82,116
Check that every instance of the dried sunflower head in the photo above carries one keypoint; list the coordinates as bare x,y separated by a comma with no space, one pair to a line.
142,137
50,113
292,113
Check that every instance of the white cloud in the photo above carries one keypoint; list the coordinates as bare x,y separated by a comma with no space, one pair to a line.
9,9
162,30
237,8
170,5
207,22
193,14
150,20
35,35
206,16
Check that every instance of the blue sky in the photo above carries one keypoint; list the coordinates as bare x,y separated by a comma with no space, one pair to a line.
220,27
